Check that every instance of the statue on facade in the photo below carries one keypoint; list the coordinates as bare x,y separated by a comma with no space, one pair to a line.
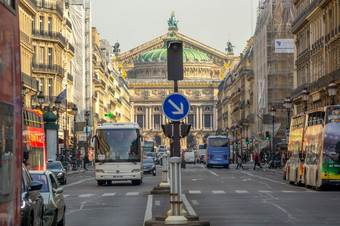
230,48
115,48
172,22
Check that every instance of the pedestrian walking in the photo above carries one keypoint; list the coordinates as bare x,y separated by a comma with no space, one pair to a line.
239,162
86,162
257,161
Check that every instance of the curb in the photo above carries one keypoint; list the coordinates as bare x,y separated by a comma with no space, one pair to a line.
75,172
192,220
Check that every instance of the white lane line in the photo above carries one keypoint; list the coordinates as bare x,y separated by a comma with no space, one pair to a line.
249,174
289,191
194,202
65,196
241,191
157,203
218,192
108,194
78,182
85,195
132,193
148,211
188,206
211,172
264,191
194,192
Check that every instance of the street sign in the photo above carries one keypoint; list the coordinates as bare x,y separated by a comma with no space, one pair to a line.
287,133
176,106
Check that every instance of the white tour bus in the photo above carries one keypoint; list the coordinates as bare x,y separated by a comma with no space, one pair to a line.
118,153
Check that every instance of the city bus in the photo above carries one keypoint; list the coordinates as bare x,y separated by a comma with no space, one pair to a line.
118,153
293,167
217,152
10,115
320,149
34,145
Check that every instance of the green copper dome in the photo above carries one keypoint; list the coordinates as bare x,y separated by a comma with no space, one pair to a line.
161,55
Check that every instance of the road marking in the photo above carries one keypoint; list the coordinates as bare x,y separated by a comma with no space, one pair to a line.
85,195
289,191
262,177
148,211
264,191
218,192
108,194
65,196
195,192
157,203
132,193
194,202
78,182
188,206
241,191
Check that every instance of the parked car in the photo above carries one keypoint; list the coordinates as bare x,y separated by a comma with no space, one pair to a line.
58,169
149,166
32,203
53,196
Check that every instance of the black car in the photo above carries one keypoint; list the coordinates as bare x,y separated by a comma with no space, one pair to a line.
58,169
149,166
32,203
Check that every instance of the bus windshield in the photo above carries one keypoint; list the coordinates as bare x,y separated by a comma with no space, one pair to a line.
118,145
218,142
148,144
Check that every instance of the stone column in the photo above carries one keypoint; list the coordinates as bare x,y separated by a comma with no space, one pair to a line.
150,118
146,116
214,118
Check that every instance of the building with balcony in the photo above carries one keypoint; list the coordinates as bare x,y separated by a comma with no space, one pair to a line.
316,32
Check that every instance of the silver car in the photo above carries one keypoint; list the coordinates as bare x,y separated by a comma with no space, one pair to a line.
53,197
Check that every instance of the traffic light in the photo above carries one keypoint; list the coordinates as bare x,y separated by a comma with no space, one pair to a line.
110,115
247,141
175,60
267,135
236,143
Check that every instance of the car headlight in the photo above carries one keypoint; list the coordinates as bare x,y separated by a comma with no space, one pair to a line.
23,204
99,171
135,171
59,174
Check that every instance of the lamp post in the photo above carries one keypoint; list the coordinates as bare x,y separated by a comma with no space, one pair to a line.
233,131
87,116
240,126
57,103
332,91
288,105
41,99
23,93
74,111
305,95
273,111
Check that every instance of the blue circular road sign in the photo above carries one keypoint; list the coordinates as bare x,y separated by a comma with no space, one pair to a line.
287,133
176,106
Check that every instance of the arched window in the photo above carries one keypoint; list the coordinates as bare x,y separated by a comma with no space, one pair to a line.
156,109
207,108
139,109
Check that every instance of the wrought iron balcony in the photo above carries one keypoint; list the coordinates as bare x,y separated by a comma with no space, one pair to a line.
305,13
51,68
56,36
50,7
29,81
71,47
69,24
70,77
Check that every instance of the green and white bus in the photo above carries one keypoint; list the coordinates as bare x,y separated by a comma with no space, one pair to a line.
118,153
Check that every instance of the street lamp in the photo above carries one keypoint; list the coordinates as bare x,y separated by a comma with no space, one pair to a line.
288,105
57,103
41,99
74,111
87,116
273,111
332,91
305,95
23,93
240,126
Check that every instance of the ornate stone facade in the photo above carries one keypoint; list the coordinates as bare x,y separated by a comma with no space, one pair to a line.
146,69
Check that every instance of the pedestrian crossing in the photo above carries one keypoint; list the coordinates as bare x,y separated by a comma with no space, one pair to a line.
190,192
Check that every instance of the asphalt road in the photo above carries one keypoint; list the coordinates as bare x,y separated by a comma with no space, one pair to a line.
221,196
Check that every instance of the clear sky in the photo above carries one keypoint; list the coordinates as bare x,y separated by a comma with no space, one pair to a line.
211,22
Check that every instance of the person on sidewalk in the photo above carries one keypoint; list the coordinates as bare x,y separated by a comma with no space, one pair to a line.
239,162
86,161
257,161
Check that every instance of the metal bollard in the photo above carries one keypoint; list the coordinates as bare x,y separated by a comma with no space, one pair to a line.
165,171
175,213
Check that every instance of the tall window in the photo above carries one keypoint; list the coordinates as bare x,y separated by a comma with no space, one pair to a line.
157,121
33,23
50,87
191,120
140,120
207,121
41,85
50,56
49,25
41,24
41,55
34,54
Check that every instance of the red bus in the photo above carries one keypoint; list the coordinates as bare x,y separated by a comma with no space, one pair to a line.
11,156
34,144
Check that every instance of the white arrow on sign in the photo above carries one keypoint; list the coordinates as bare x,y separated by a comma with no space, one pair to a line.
179,111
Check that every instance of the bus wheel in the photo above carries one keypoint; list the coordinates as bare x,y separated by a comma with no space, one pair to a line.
100,182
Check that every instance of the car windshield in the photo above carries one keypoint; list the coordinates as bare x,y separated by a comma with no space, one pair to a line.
43,179
148,160
53,165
